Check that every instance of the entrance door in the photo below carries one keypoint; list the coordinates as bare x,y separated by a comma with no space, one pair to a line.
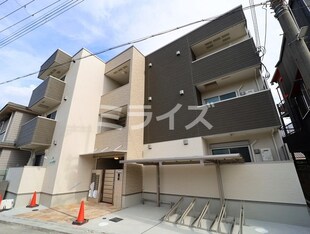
108,186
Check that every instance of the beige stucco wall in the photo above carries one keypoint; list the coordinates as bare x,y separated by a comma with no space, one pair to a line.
76,128
175,148
193,180
270,182
266,182
26,179
136,79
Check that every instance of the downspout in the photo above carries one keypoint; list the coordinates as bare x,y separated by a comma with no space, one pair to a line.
252,149
275,144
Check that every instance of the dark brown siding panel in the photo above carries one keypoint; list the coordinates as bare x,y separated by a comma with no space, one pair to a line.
230,60
221,23
245,113
168,75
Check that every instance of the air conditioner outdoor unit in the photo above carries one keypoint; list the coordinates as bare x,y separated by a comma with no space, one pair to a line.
266,154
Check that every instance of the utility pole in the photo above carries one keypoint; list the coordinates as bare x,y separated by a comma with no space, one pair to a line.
298,48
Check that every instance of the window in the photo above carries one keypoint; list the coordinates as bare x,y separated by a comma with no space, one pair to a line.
243,151
52,115
219,98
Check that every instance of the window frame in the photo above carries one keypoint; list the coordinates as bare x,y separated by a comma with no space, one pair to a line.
234,147
205,100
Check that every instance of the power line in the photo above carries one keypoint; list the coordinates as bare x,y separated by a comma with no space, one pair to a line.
40,21
3,2
126,44
21,7
42,9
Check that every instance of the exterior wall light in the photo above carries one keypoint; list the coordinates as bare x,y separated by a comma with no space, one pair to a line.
178,53
181,92
150,64
149,146
150,99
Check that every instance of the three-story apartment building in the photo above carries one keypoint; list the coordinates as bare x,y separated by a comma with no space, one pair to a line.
194,118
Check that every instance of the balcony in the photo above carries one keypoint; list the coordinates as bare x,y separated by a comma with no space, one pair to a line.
232,59
36,134
53,65
47,95
116,98
248,112
112,140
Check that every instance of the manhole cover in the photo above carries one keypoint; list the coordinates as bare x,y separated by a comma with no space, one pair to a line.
115,219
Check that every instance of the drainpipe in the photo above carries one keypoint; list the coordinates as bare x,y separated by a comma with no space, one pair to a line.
275,144
252,149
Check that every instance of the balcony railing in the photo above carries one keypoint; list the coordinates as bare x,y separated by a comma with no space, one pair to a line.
243,113
36,133
112,139
57,65
47,95
115,98
238,57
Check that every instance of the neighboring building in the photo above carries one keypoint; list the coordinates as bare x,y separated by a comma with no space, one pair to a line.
294,106
12,117
91,131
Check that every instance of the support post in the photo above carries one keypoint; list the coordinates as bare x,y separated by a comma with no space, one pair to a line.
298,48
158,184
220,182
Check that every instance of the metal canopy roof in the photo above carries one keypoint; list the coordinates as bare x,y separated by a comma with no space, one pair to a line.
104,154
216,159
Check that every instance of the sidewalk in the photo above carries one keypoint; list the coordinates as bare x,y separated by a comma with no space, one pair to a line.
134,220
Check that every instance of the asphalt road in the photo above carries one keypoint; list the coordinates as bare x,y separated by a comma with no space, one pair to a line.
8,228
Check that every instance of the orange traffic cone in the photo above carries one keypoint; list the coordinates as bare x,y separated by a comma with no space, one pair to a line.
80,219
33,202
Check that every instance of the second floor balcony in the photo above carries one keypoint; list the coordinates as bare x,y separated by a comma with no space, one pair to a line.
47,95
36,134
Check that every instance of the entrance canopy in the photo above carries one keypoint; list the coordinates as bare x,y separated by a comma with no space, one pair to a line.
216,159
104,154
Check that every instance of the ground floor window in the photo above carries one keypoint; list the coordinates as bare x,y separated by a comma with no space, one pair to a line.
243,151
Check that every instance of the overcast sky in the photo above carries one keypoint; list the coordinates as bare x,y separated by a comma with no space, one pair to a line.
100,24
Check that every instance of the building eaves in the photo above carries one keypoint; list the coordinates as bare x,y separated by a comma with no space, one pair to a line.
13,107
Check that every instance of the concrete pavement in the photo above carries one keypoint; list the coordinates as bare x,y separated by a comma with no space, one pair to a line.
134,220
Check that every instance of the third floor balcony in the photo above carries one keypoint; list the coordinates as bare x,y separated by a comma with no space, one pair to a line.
47,95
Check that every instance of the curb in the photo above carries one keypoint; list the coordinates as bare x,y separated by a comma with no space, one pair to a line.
45,226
